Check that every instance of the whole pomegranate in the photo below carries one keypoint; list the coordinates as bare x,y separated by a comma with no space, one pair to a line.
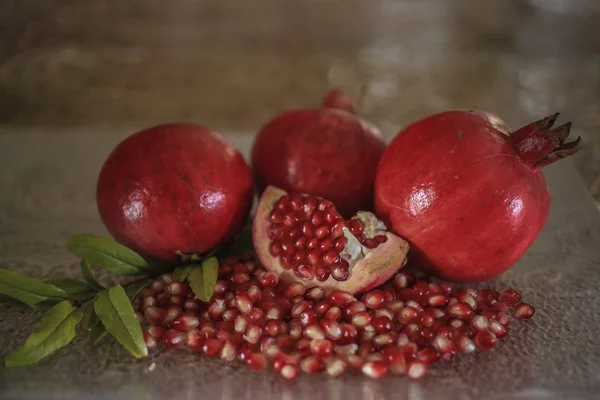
303,238
468,194
174,188
327,152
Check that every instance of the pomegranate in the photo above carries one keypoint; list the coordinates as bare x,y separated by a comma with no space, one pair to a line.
327,152
174,188
367,334
303,238
466,193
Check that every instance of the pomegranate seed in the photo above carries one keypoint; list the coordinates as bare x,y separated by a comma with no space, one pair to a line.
322,273
427,355
460,310
289,371
285,342
295,329
349,333
524,311
174,338
334,314
269,279
374,299
510,297
351,348
228,352
427,320
410,351
195,340
240,278
479,322
361,319
253,334
150,341
208,332
416,369
396,361
332,329
438,300
172,313
157,332
308,317
408,315
212,347
275,313
257,316
273,327
339,298
224,335
485,340
465,345
443,344
384,339
488,296
314,331
498,329
403,280
230,314
311,365
294,289
254,293
500,308
354,361
185,323
157,287
166,278
321,347
241,323
415,305
366,335
340,272
504,320
162,300
315,293
375,369
402,340
382,324
155,315
365,349
216,309
192,305
256,362
395,306
243,302
335,366
177,289
352,309
146,302
383,312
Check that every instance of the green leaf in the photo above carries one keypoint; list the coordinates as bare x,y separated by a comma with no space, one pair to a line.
28,290
98,333
181,273
88,275
116,313
89,318
203,278
132,289
108,254
77,290
57,329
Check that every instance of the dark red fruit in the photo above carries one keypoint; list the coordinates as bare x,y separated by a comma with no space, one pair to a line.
174,187
327,152
466,192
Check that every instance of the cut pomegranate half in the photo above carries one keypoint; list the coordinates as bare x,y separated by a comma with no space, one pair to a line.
303,238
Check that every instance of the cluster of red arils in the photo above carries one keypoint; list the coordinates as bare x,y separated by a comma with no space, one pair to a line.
399,328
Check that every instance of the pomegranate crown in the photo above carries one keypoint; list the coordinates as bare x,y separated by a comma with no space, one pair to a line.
539,144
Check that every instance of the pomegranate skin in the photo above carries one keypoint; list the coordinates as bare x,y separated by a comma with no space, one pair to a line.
454,187
174,187
325,152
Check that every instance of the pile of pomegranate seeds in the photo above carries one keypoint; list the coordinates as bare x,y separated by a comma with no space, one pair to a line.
399,328
307,236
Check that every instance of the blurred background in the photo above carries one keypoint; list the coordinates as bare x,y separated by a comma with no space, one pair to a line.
98,67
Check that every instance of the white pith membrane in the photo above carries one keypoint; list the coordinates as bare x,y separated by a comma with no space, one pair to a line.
354,251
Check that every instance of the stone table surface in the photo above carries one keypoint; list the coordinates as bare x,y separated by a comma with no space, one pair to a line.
76,77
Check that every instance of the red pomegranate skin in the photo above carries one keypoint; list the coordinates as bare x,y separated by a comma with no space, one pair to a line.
325,152
174,187
466,203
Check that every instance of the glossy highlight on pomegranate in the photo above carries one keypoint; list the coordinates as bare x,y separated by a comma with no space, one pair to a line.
327,152
467,192
174,188
303,238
